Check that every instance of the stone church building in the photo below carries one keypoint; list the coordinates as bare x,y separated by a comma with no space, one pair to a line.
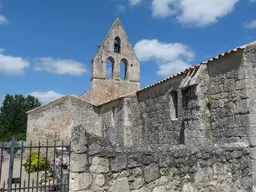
211,104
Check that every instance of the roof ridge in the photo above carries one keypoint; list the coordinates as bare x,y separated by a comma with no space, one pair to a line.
116,21
198,65
57,99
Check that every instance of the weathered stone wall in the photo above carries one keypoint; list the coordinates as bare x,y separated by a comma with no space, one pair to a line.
96,165
228,101
105,90
149,117
55,120
249,84
214,106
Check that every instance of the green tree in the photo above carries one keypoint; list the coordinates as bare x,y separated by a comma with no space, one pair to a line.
13,117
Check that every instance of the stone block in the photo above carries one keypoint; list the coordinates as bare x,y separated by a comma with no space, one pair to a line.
78,140
147,159
143,189
99,180
133,161
79,162
119,163
99,165
159,189
80,181
188,188
136,183
151,172
120,185
94,149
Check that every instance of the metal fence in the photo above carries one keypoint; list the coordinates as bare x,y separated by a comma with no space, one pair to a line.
40,167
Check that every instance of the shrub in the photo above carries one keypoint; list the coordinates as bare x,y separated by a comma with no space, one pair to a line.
33,165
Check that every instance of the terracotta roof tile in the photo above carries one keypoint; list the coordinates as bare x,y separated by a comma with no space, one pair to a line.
197,66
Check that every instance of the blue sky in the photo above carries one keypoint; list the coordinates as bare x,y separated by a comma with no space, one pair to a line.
46,46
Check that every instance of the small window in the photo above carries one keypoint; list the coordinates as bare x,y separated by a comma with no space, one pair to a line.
182,134
109,67
117,45
174,104
123,69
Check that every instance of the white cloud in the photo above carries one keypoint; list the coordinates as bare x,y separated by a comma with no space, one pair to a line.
3,20
193,12
161,8
45,97
12,65
60,66
172,68
121,8
135,2
2,50
171,57
251,24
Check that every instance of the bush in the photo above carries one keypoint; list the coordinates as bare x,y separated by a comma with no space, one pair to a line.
32,165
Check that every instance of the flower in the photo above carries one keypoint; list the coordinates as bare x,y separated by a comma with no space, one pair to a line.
62,161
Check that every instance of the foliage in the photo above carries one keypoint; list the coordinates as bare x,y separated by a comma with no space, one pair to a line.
13,117
62,161
33,165
43,180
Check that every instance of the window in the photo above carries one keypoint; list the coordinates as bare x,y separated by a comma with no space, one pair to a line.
117,45
123,68
110,67
174,104
182,134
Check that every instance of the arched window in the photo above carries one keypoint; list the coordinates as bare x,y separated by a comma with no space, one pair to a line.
123,68
117,45
174,104
110,67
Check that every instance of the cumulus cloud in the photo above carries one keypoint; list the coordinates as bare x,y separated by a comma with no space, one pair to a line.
12,65
171,57
121,8
135,2
3,20
193,12
46,97
251,25
60,66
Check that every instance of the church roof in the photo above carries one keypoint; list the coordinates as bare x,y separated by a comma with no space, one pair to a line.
55,101
202,63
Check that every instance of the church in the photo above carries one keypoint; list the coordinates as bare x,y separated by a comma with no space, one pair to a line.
211,103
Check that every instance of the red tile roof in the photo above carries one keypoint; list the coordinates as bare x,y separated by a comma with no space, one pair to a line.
197,66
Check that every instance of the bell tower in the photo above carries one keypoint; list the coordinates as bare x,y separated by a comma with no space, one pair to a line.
115,49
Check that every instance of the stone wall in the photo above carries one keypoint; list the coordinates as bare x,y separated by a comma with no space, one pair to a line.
249,84
214,106
149,117
228,101
55,120
97,165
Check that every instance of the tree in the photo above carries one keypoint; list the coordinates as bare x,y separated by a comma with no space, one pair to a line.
13,117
